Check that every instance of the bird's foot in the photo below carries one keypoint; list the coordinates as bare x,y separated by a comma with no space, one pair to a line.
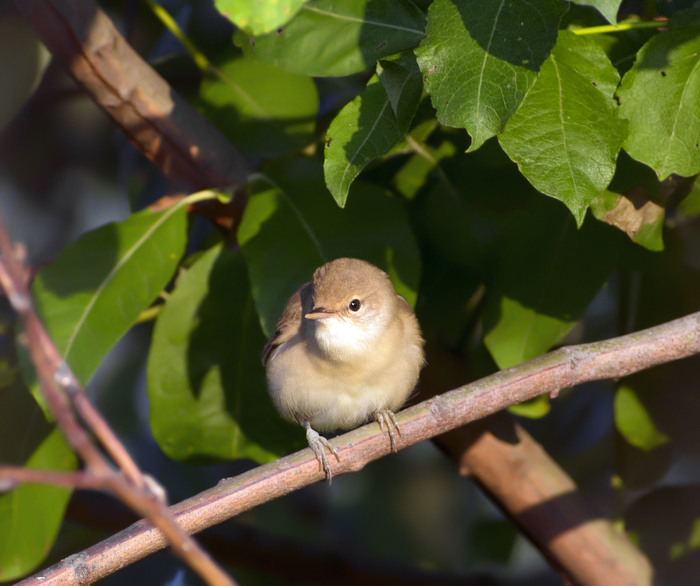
387,422
319,445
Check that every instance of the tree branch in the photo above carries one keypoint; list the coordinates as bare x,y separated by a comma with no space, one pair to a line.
186,148
566,367
62,392
545,503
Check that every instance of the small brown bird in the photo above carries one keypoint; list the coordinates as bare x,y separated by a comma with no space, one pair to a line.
346,349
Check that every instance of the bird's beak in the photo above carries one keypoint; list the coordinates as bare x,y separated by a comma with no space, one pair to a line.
318,313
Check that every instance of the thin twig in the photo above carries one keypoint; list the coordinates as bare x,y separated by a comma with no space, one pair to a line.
566,367
62,391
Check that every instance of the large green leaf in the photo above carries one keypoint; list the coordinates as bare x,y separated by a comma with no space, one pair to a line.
660,97
565,136
479,59
548,273
205,382
291,226
634,422
96,288
258,16
338,37
263,110
608,8
31,515
363,131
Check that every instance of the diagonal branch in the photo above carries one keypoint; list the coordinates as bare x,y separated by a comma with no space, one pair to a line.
186,148
566,367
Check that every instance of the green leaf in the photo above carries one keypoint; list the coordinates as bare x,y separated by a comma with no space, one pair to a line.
258,16
413,175
608,8
660,97
338,37
403,85
548,273
290,227
634,422
565,137
364,130
479,59
23,60
261,109
644,225
533,409
31,515
96,288
206,384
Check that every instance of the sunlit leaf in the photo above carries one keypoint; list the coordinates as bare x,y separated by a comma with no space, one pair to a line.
94,290
565,136
338,37
364,130
608,8
479,59
634,422
660,97
258,16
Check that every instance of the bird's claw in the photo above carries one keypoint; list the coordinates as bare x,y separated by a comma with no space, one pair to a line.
387,422
319,445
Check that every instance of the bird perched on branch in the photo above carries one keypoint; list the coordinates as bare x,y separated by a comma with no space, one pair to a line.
347,349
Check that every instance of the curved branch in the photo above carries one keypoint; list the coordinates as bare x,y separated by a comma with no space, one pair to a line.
566,367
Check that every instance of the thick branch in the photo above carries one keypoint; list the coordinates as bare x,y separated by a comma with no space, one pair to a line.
566,367
186,148
545,503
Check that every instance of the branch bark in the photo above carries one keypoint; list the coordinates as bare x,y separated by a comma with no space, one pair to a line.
186,148
545,503
566,367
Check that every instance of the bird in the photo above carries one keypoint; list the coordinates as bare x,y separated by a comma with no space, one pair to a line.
347,349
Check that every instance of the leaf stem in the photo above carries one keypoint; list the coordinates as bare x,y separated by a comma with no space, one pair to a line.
621,27
169,22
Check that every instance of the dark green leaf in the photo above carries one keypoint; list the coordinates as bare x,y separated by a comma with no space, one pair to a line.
96,288
533,409
291,226
338,37
608,8
660,97
31,515
413,175
364,130
258,16
23,60
263,110
206,384
479,59
548,273
565,136
403,85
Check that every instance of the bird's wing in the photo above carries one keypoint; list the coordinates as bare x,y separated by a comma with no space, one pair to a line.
287,325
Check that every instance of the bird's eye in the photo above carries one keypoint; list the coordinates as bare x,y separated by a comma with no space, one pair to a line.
354,305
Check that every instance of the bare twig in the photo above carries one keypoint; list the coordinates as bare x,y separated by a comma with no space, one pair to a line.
566,367
62,391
